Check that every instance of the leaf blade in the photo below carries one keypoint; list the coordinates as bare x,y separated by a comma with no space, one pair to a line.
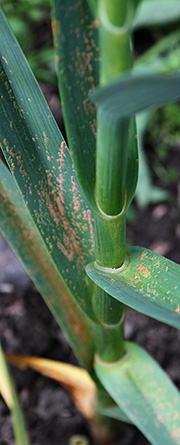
157,13
132,93
145,393
148,283
42,166
20,232
77,65
76,380
8,391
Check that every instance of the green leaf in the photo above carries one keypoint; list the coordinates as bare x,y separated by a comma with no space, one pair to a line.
42,166
75,33
117,101
145,393
21,233
147,282
133,93
157,12
8,392
114,412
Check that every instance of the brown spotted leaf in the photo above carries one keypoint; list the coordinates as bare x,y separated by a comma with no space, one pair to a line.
144,393
42,166
22,235
76,40
147,282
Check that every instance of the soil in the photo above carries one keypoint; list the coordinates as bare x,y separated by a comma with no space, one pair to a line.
27,327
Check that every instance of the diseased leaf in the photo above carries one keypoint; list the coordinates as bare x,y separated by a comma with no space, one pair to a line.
76,39
145,393
42,166
77,381
147,282
21,233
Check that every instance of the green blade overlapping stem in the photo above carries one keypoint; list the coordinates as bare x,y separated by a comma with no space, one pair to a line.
132,93
145,393
42,166
147,282
21,233
119,100
76,40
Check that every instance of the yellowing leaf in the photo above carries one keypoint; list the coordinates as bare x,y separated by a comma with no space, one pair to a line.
76,380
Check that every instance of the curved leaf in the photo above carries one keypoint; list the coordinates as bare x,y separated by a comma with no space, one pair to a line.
20,232
75,33
148,282
8,392
156,13
76,380
42,166
114,412
132,93
145,393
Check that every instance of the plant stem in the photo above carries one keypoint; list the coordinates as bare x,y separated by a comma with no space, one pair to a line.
110,252
115,39
112,140
110,240
111,163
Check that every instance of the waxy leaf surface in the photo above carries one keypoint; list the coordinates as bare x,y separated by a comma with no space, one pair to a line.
148,282
21,233
114,412
156,13
76,39
133,93
145,393
42,166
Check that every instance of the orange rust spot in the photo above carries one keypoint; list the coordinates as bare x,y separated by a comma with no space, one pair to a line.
85,215
136,278
75,195
54,25
96,24
112,280
5,60
177,309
